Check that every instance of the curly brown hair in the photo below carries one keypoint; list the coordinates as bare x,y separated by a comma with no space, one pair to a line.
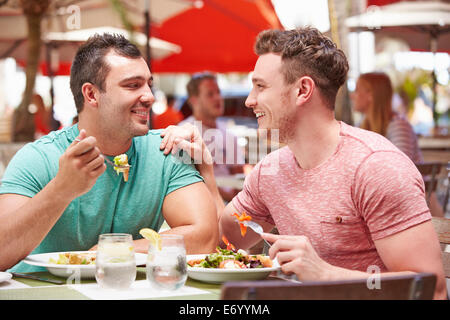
306,51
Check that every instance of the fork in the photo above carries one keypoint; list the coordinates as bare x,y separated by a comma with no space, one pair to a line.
109,161
255,227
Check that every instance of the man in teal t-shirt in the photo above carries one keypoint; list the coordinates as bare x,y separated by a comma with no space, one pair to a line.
58,194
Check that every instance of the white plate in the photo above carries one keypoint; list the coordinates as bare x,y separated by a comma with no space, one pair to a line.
213,275
5,276
66,270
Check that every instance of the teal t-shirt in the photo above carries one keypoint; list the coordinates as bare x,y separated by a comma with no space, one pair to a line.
112,205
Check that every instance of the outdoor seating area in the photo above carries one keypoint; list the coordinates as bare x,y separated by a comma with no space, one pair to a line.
241,152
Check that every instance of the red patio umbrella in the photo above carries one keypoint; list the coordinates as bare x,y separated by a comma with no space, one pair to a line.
219,36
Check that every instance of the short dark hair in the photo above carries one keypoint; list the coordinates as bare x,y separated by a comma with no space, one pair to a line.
89,64
306,51
196,79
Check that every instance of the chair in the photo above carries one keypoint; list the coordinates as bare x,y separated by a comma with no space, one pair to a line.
418,286
442,227
429,171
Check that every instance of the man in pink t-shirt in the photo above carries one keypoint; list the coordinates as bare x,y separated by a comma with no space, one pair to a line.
346,201
365,191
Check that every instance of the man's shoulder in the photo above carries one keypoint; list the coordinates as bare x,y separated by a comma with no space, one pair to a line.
52,144
276,162
365,140
148,147
150,141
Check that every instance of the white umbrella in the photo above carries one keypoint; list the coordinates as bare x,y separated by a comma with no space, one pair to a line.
159,48
67,44
86,14
411,21
424,25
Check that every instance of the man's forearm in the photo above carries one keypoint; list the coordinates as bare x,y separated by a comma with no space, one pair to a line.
196,241
22,228
206,170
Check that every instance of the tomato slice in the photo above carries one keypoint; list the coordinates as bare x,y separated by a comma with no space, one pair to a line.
240,218
243,229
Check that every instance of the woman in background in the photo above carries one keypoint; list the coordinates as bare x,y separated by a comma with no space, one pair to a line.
373,98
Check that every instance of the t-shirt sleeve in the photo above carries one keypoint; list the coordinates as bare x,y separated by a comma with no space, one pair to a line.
181,172
390,194
248,200
27,173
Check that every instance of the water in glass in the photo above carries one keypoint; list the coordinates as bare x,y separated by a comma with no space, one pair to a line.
166,268
115,262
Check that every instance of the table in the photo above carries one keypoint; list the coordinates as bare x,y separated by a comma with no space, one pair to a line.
40,290
442,143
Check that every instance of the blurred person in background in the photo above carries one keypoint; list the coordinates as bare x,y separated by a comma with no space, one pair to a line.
41,116
206,102
373,98
170,116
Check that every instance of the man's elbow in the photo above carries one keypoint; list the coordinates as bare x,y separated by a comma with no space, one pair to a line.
211,239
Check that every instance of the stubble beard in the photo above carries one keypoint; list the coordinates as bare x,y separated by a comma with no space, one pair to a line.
119,130
287,125
287,122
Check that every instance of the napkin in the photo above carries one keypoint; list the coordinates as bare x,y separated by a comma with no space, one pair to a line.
12,284
140,289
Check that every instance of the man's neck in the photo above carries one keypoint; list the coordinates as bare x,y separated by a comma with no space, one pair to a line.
315,141
206,121
109,144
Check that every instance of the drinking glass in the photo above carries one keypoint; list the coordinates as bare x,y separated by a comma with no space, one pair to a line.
115,265
166,265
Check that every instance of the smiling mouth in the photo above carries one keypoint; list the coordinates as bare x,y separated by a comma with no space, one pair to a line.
259,114
140,113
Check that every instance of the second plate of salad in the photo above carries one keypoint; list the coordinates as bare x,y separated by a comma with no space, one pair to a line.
227,265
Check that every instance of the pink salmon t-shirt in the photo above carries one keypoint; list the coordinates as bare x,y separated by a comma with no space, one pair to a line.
366,191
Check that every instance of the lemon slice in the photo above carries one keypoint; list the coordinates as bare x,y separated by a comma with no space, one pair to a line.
152,236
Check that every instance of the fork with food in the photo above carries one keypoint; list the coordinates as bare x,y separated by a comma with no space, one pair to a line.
120,163
244,221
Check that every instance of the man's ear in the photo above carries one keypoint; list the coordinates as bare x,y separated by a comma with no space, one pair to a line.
90,94
305,87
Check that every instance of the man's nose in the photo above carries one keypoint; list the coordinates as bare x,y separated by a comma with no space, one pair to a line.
148,96
250,102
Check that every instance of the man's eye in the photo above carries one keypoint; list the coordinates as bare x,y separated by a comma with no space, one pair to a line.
133,85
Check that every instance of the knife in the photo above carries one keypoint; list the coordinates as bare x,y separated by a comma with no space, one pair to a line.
29,276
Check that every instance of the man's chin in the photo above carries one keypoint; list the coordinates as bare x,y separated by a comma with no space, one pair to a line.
141,130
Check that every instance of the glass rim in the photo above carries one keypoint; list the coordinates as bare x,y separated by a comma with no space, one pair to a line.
115,235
